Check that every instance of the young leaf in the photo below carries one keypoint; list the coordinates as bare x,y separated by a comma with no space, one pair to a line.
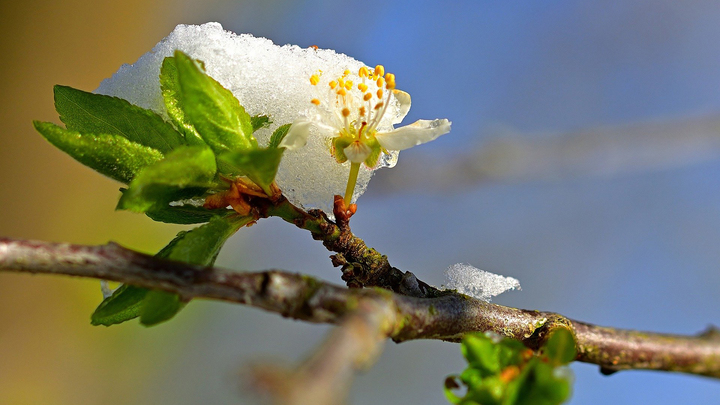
259,165
111,155
481,353
259,121
560,347
199,246
99,114
278,136
185,214
212,109
185,172
502,371
123,305
170,86
159,306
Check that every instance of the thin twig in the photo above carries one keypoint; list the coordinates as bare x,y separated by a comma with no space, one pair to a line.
448,316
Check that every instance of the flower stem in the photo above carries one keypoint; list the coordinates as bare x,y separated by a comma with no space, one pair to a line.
354,170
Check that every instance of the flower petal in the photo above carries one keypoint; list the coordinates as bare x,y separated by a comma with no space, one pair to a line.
418,132
357,152
297,135
404,99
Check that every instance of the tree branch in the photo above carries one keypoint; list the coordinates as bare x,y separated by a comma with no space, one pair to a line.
447,316
361,265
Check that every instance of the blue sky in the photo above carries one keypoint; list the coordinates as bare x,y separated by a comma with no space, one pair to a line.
636,250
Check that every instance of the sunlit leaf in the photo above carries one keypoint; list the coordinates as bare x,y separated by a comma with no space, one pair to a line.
99,114
111,155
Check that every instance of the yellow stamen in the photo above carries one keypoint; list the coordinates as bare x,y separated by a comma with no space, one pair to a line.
379,93
315,101
379,105
367,96
362,110
380,82
379,70
333,84
362,87
390,78
341,92
341,82
345,112
348,84
346,72
314,79
363,72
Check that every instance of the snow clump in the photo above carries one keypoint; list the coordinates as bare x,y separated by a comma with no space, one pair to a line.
477,283
267,79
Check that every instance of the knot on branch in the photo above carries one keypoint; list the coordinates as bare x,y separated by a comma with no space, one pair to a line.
545,327
712,333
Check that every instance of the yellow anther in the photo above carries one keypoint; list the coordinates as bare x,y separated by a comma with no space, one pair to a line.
346,72
341,82
362,111
379,105
345,112
380,82
390,78
341,92
348,84
333,84
379,70
379,93
363,72
314,79
362,87
315,101
367,96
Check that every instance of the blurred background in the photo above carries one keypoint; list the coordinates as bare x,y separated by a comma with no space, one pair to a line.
584,160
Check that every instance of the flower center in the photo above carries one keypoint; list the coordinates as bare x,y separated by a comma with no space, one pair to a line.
356,117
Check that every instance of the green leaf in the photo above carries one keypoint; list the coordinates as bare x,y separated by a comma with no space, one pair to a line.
187,171
560,347
212,109
278,136
124,304
199,246
503,371
259,121
538,385
170,86
99,114
481,353
111,155
159,306
184,214
259,165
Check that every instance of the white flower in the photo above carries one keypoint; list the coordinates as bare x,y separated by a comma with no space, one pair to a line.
269,80
354,117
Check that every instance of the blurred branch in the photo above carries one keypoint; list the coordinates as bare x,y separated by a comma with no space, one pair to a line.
446,316
597,152
325,377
